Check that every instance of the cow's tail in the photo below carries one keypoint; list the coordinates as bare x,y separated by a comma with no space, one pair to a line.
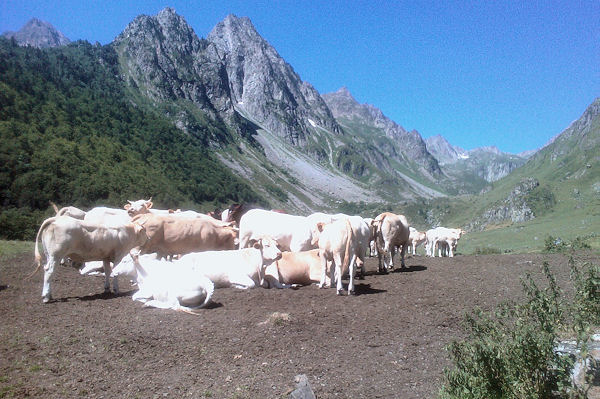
38,256
347,254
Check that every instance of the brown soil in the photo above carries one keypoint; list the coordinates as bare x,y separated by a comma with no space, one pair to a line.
386,342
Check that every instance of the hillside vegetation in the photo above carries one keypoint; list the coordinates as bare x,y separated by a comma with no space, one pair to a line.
69,133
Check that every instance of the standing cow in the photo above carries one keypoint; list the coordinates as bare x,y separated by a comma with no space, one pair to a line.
170,235
337,245
391,231
81,241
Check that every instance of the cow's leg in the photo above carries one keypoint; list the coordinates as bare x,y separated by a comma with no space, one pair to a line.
48,270
402,253
392,252
107,270
323,270
243,281
337,259
351,271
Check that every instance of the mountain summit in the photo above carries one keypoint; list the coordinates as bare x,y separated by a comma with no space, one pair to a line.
38,33
265,87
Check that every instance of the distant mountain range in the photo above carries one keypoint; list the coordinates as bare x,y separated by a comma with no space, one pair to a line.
300,149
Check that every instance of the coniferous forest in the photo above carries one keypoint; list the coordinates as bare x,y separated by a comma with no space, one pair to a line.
71,133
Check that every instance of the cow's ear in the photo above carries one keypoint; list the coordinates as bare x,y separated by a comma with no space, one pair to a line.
320,226
257,244
149,203
126,206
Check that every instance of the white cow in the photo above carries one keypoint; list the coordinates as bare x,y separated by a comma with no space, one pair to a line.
64,236
242,268
292,233
444,239
415,239
391,231
166,285
337,244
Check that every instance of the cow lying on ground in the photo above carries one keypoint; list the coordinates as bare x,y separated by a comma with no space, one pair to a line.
391,231
295,268
241,268
169,235
166,285
337,244
415,239
64,236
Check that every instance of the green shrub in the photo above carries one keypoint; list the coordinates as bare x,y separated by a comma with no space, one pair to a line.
510,353
556,244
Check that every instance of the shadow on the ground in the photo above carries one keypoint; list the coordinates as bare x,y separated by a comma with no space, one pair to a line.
365,289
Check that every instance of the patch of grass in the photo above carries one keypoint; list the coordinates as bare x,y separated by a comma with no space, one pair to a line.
9,249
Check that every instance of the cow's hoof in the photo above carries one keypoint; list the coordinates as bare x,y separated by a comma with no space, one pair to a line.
338,292
46,299
351,293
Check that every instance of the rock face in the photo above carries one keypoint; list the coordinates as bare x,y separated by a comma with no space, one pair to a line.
37,33
233,70
407,146
165,60
513,208
265,87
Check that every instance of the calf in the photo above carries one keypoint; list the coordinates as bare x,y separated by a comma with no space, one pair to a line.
444,239
415,239
64,236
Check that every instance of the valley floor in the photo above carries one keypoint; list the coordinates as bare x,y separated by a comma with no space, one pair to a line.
387,342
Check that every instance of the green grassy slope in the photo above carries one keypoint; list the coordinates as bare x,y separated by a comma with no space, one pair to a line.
71,134
568,171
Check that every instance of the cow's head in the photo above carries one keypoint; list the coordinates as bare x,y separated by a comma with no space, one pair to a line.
138,207
270,253
126,267
316,233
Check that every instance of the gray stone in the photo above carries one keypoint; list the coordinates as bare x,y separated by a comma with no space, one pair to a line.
303,389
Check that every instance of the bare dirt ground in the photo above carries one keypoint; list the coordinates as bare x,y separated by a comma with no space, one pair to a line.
386,342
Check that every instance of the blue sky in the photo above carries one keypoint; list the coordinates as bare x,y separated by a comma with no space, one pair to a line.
509,74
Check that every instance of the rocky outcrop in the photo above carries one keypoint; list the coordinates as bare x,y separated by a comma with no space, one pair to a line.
514,208
38,33
266,87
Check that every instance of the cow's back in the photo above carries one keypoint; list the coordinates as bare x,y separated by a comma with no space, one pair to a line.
284,228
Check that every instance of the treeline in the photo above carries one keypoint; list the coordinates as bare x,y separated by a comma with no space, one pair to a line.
69,133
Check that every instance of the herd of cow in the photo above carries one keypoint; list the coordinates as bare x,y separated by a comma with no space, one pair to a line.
178,258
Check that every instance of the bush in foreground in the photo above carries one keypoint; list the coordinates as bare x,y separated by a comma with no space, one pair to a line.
510,353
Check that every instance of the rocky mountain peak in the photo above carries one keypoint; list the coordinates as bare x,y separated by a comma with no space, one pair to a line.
38,33
265,87
443,151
